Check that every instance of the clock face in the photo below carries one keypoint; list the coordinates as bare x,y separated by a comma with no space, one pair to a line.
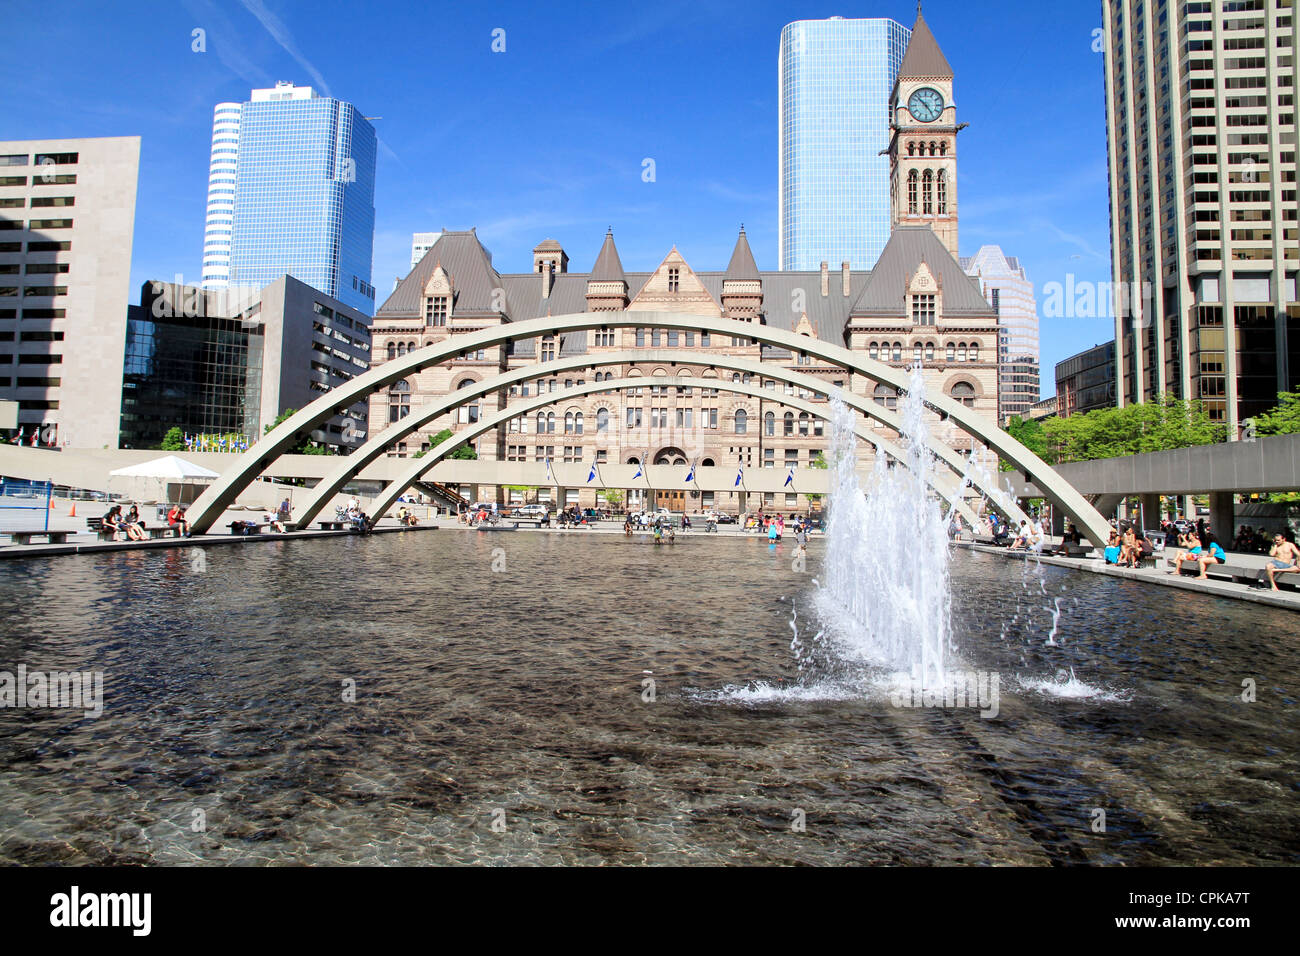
926,105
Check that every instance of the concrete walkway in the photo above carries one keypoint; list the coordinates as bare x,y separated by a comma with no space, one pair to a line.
1288,599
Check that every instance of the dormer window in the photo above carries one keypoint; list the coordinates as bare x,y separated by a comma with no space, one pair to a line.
435,310
548,349
923,308
674,279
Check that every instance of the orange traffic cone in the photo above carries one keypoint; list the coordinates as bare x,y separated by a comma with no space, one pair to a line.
72,512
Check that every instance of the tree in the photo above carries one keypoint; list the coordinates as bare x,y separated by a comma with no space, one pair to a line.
174,440
1029,433
821,464
1282,420
1161,425
613,497
306,446
461,453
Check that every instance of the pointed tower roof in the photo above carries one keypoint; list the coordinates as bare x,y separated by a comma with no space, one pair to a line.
923,57
608,267
742,264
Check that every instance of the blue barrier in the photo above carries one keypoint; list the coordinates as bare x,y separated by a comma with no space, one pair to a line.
35,496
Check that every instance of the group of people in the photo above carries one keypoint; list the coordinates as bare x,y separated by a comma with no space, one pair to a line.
406,517
1128,548
133,525
1200,545
1253,541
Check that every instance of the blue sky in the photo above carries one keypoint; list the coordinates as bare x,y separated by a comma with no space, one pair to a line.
547,139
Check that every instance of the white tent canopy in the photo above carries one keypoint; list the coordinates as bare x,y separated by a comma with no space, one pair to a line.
168,468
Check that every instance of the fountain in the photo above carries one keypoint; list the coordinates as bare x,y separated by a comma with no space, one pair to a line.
884,591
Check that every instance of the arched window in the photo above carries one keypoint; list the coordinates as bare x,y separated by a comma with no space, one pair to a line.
941,193
468,411
747,378
927,193
392,351
399,400
911,193
887,396
411,347
929,351
550,423
541,423
964,392
916,353
577,423
735,376
789,423
804,418
742,421
943,149
769,424
961,351
911,148
934,147
401,349
568,423
707,463
874,350
951,352
898,351
602,419
973,353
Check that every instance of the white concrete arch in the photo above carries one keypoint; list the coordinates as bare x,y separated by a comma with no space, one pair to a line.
351,466
420,466
226,489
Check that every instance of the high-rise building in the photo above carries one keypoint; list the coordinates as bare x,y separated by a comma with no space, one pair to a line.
421,242
67,217
1007,288
222,362
1200,112
836,77
1086,382
300,199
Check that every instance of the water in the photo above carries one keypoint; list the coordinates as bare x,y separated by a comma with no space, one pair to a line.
521,692
885,592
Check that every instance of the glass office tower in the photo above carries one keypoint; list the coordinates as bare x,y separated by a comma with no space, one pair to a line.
303,200
836,77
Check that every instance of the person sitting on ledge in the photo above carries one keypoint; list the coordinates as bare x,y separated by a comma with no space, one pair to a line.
133,525
1210,557
1113,548
1072,539
273,523
1192,552
1285,559
176,520
1128,552
1022,537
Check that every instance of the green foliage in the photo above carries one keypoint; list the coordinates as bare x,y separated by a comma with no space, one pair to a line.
306,446
1283,420
463,453
174,440
1115,432
613,497
1030,434
821,464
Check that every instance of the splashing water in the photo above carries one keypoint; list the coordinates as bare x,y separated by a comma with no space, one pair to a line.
884,593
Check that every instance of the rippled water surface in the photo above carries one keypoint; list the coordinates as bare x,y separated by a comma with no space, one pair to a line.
502,716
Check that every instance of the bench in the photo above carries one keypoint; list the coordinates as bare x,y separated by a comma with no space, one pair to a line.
53,537
1239,574
331,525
167,532
1075,550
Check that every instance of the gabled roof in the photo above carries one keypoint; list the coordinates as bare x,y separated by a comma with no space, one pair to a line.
885,291
742,264
608,267
923,58
464,259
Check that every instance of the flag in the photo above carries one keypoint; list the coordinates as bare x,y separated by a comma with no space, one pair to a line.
690,475
638,472
549,476
740,475
789,479
592,476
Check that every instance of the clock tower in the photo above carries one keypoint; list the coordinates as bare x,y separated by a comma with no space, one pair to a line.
923,144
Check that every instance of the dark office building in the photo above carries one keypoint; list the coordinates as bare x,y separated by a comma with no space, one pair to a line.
1086,381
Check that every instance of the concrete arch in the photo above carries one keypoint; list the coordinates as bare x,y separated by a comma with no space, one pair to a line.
420,466
351,466
225,490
